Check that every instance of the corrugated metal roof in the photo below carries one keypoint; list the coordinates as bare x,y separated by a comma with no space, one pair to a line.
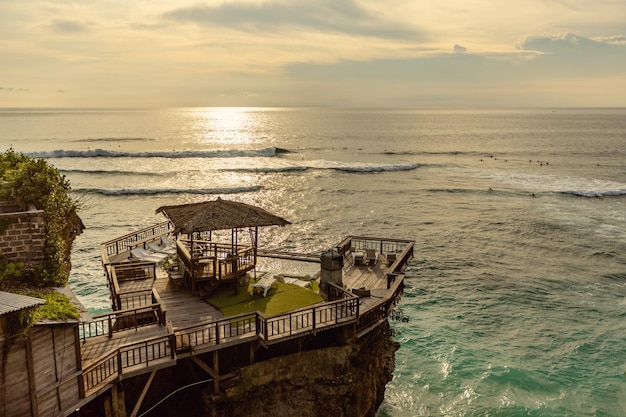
13,302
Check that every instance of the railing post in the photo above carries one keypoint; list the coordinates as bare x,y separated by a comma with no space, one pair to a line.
217,334
172,345
119,362
314,319
110,325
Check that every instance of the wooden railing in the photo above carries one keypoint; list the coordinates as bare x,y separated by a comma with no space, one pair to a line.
117,321
381,245
112,365
381,310
131,240
118,274
214,260
215,333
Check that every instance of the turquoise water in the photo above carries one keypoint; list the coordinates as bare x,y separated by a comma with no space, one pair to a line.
516,298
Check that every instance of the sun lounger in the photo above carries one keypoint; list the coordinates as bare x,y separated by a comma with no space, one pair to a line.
166,242
146,256
264,284
162,249
298,282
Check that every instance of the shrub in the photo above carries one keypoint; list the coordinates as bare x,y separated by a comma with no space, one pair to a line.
26,181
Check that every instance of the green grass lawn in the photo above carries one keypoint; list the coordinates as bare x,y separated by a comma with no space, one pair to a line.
281,298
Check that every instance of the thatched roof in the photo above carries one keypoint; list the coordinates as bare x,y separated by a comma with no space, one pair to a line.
218,215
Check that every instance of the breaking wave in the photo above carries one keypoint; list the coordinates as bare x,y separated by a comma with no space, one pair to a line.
596,194
157,191
102,153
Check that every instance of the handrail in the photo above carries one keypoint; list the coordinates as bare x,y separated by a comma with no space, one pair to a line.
123,243
308,320
108,323
382,309
220,331
127,356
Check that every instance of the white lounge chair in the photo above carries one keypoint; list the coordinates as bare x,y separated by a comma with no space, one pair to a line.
264,284
146,256
162,249
167,242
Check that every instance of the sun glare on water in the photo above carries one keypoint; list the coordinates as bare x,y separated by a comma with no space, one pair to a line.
228,125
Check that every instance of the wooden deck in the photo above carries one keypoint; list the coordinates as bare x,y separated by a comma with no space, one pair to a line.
183,307
174,322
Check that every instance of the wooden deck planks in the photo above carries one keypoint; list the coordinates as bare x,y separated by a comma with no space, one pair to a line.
183,308
364,276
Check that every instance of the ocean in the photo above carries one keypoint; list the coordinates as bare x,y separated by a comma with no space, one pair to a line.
515,302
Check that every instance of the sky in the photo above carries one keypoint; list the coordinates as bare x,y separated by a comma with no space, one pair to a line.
352,53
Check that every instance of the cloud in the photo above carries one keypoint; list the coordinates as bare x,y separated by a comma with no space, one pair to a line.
467,79
459,48
569,53
344,16
570,43
68,26
13,89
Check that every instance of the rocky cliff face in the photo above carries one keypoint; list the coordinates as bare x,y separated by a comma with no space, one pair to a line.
345,381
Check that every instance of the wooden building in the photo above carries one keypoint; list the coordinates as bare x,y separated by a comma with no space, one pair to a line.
40,366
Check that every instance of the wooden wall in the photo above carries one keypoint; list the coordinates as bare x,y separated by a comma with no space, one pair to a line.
14,388
41,373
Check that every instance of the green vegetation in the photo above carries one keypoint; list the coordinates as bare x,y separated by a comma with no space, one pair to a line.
280,299
57,308
26,181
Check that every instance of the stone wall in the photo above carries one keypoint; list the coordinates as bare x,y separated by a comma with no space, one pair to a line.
22,235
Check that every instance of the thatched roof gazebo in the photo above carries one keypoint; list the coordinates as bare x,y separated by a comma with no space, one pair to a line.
206,260
218,214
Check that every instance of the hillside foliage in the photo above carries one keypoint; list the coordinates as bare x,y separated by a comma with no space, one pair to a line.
26,181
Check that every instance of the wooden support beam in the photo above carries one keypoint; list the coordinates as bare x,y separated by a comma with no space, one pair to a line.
143,394
252,348
206,368
216,368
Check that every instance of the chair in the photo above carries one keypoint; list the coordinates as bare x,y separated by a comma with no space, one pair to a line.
146,256
357,257
162,249
264,284
167,242
370,256
391,257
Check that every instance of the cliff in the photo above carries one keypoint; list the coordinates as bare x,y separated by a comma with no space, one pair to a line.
339,381
344,381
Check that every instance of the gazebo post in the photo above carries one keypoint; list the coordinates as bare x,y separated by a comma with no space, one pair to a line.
254,245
